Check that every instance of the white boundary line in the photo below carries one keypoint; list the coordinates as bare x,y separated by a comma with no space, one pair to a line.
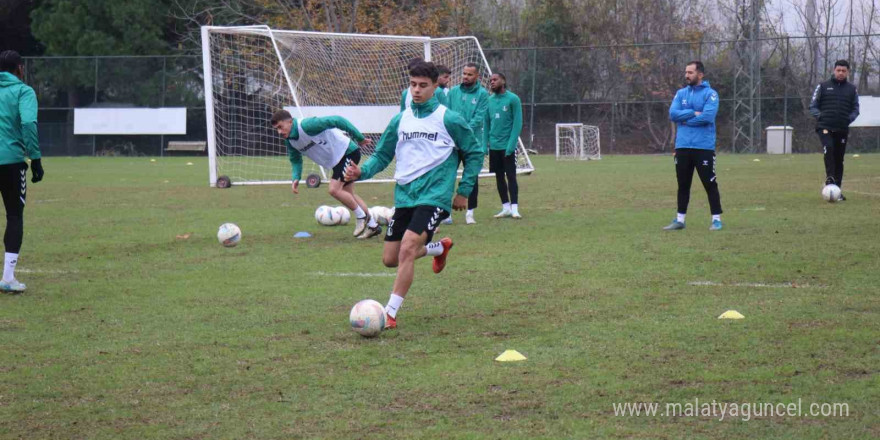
353,274
51,271
789,285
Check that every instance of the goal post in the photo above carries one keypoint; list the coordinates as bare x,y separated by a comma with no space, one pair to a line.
576,141
252,71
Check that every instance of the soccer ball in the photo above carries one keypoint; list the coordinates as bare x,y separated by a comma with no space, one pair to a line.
326,215
382,214
831,193
367,318
229,234
344,215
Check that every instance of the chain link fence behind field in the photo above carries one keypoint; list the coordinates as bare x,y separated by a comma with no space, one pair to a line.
625,90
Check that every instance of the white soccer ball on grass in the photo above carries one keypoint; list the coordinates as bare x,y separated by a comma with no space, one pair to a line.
831,193
367,318
326,215
229,234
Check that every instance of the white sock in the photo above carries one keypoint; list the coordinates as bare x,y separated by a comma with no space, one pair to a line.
716,217
679,217
505,206
9,266
514,208
394,303
359,213
372,222
434,249
470,213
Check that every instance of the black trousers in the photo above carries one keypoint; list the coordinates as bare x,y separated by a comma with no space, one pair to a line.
688,159
13,186
833,149
503,166
472,199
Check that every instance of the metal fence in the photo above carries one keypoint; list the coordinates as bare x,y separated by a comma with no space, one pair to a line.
625,90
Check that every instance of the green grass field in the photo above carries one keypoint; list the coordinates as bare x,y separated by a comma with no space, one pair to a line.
128,332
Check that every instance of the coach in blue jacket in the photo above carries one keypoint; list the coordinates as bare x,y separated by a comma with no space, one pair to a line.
693,111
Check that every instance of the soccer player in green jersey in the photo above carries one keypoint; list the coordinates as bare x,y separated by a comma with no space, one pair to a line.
328,142
503,126
427,140
18,141
471,101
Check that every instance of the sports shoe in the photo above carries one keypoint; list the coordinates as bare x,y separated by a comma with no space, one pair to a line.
469,219
390,323
447,221
440,260
370,232
359,225
716,225
674,226
516,215
12,286
503,213
841,198
829,181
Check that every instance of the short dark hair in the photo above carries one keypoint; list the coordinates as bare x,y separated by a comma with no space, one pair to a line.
843,63
501,75
280,115
698,65
474,65
9,61
426,69
413,62
443,69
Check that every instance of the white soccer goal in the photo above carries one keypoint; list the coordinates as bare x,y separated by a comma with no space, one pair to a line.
252,71
577,141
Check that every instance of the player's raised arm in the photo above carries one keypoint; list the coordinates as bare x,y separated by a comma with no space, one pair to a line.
384,153
313,126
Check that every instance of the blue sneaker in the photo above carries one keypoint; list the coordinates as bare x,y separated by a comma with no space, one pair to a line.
716,225
674,226
12,286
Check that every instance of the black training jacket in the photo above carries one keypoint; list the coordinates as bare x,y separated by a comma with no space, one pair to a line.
835,105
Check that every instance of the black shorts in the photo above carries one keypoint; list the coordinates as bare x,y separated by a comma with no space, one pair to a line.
339,169
499,163
13,186
422,218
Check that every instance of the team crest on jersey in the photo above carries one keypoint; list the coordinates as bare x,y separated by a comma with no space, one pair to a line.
497,115
474,101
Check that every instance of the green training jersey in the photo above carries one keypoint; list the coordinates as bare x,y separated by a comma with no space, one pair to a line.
503,122
322,139
471,103
428,140
18,121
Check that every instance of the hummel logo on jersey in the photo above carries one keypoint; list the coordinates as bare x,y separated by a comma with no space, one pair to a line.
705,163
474,101
713,97
310,145
504,108
418,135
684,102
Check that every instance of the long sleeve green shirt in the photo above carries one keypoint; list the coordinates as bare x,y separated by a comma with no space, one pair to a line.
437,186
314,126
504,122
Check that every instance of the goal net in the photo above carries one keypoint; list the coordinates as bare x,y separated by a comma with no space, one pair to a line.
252,71
577,141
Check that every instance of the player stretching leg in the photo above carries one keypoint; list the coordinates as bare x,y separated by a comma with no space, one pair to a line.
424,138
324,141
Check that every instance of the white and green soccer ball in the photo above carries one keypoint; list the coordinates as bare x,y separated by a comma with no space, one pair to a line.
229,234
382,214
367,318
344,215
831,193
326,215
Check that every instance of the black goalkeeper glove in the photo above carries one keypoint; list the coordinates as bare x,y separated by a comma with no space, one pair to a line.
36,170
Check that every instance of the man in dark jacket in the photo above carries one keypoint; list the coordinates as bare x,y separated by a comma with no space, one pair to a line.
835,105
